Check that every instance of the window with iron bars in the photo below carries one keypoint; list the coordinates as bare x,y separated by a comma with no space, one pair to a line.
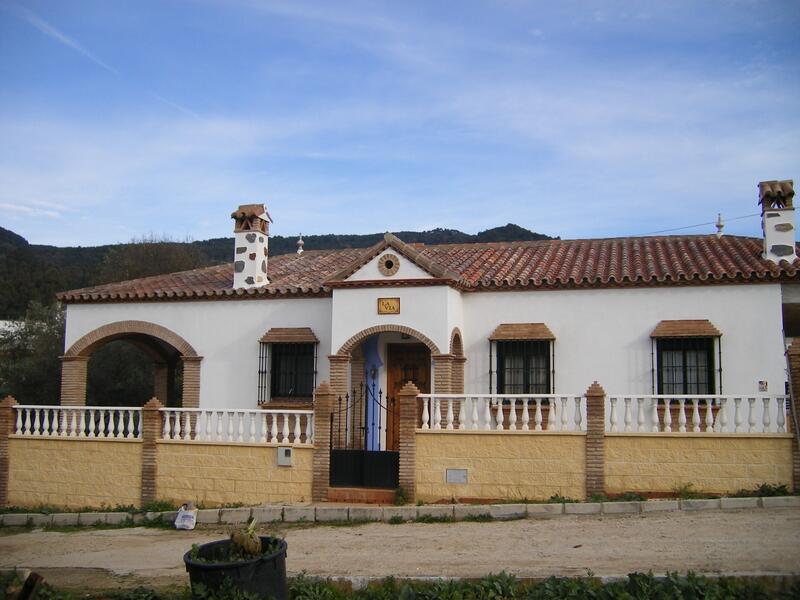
524,367
685,365
286,372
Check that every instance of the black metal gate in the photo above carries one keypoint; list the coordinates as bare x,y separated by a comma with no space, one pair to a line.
358,441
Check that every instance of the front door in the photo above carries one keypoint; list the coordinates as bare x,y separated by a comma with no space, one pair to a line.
405,362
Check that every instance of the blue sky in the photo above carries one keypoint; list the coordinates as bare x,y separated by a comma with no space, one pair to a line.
578,119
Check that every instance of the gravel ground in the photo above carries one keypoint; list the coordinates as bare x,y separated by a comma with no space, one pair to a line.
763,541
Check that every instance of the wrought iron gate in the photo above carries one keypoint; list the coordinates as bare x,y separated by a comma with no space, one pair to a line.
359,457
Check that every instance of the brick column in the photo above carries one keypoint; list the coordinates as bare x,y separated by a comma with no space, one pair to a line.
339,366
793,354
7,422
457,376
407,397
442,373
73,380
595,439
324,402
161,381
151,432
190,394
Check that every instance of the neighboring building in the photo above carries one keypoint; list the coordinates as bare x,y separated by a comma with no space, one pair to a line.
688,314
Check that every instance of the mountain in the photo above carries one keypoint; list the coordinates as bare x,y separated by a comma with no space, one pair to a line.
31,272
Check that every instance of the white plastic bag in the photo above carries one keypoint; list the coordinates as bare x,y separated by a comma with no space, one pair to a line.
186,518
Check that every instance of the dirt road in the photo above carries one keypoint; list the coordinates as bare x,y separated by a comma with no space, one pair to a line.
758,541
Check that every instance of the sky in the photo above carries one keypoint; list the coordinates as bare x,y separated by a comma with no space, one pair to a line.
573,118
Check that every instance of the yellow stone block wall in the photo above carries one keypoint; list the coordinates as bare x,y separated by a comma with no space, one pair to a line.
215,474
501,465
717,463
74,473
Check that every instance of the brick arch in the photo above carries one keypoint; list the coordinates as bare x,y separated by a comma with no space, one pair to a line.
348,346
456,342
113,331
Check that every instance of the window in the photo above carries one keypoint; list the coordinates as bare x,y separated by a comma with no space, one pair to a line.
288,371
686,365
523,367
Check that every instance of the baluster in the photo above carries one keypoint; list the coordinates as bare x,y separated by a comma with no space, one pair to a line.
273,432
103,426
474,422
449,413
130,425
176,425
119,430
512,415
208,416
425,414
751,417
34,412
682,415
187,426
252,418
722,416
82,423
695,415
487,413
46,422
72,423
737,415
92,424
552,414
613,415
309,429
537,416
239,426
766,420
639,414
20,422
781,416
285,430
667,416
218,414
165,433
654,425
709,416
230,415
525,415
296,428
63,422
500,418
437,413
563,414
627,416
578,414
462,413
263,428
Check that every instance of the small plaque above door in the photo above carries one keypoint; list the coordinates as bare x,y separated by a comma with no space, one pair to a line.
388,306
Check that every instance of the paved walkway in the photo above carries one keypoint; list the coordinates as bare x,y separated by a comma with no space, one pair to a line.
763,541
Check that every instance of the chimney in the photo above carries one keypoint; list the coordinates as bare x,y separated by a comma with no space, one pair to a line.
251,236
777,219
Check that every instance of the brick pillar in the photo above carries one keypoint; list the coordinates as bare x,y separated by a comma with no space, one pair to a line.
339,366
442,373
457,376
595,439
407,397
357,380
161,381
151,432
73,380
7,424
190,394
324,402
793,354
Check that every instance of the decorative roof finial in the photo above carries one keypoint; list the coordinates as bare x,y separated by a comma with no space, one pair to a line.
300,244
720,225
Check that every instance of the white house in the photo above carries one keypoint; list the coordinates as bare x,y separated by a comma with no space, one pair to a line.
688,314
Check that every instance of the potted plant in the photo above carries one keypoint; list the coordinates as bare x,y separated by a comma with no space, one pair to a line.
247,562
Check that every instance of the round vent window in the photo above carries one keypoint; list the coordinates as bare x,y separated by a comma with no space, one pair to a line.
388,264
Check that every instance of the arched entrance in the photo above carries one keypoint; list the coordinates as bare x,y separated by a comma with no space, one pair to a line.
168,351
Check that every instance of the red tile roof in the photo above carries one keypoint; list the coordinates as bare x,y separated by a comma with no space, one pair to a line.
613,262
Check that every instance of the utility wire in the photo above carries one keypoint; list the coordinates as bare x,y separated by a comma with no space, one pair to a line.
702,224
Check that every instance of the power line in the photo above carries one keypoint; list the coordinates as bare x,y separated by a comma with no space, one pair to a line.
702,224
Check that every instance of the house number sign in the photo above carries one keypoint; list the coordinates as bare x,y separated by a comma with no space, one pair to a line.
388,306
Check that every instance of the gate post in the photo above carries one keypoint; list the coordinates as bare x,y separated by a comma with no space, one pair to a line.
595,440
324,401
7,425
407,397
151,432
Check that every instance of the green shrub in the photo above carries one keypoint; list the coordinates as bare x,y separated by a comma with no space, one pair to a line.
559,499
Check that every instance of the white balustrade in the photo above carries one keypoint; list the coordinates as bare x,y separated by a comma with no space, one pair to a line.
112,423
502,412
238,426
698,413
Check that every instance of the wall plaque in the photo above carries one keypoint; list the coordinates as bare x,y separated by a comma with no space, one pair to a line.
388,306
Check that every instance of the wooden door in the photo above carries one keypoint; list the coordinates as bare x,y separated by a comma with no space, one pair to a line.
405,362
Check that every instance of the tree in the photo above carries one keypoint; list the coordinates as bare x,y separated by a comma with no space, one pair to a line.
30,350
146,256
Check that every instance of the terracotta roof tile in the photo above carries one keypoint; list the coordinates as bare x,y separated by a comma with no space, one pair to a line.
685,328
522,331
289,335
663,260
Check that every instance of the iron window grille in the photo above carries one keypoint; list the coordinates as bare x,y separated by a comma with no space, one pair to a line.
524,367
685,365
286,371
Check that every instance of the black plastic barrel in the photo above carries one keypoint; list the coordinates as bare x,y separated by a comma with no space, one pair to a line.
264,576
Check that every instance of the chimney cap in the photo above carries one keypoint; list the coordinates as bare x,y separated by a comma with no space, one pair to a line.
251,210
776,194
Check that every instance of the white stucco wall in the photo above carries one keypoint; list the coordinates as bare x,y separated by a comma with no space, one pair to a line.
225,333
407,270
604,335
